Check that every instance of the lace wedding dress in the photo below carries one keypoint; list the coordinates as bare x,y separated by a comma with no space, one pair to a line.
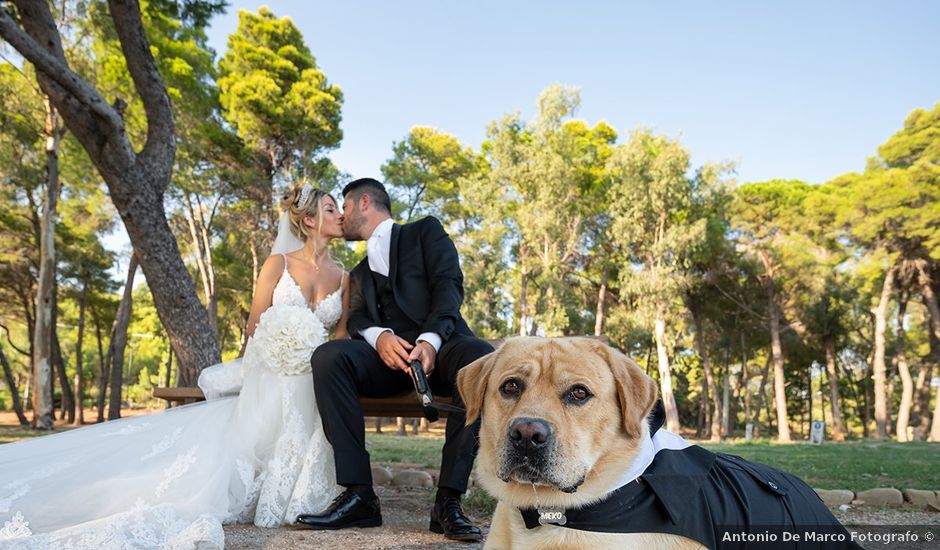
171,479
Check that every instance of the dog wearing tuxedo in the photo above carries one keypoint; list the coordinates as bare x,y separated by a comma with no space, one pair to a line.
404,305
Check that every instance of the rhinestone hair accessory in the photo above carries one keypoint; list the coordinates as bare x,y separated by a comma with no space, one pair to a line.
304,195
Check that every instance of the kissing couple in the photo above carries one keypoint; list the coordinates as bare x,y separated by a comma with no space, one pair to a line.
281,437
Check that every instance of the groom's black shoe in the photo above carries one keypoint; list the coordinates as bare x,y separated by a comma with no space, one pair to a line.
447,517
348,510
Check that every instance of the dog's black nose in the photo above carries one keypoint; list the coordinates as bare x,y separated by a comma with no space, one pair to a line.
529,433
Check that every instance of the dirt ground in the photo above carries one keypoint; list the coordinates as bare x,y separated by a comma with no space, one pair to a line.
405,515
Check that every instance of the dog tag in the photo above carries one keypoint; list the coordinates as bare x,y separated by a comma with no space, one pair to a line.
548,516
554,516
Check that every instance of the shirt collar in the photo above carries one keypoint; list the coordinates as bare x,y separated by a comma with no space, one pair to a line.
381,231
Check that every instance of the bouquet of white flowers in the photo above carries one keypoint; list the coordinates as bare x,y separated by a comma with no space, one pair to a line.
285,338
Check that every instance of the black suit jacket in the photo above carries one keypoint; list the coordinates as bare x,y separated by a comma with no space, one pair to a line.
425,278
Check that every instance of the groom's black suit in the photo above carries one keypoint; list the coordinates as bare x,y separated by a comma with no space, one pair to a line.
422,293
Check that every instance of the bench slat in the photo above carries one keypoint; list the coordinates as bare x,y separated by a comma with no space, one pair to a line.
405,405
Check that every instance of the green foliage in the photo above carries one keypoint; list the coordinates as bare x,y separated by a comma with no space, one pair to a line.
585,223
656,224
426,171
275,96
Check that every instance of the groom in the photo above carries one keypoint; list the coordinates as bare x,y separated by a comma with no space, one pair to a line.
404,305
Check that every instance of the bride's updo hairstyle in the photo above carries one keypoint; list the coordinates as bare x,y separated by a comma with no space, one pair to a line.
301,201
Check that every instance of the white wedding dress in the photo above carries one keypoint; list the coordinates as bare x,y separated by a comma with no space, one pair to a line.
171,479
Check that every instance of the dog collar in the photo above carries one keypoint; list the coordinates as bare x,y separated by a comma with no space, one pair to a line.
661,497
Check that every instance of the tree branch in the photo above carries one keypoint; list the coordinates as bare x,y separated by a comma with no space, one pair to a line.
161,141
10,341
50,61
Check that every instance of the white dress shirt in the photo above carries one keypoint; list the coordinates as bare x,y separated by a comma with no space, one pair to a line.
378,250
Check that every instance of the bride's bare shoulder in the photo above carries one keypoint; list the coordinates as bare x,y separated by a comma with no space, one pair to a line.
273,266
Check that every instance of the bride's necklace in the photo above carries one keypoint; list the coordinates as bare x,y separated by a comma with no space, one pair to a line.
315,264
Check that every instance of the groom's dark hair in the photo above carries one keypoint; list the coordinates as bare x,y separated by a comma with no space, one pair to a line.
371,187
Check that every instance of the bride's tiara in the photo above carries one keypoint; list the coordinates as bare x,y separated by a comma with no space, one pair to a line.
304,194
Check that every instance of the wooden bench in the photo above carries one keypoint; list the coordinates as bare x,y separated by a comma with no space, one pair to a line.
404,406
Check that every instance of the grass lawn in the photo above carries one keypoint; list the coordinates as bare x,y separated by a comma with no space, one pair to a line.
422,450
856,465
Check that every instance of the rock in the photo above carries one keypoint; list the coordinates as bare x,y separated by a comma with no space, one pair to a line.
413,478
884,496
835,497
920,498
381,475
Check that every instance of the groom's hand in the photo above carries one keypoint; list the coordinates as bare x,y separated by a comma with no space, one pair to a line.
393,351
424,352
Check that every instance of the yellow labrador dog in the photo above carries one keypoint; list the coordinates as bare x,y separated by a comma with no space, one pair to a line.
562,419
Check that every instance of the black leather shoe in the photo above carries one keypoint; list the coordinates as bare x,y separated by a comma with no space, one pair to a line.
347,510
447,517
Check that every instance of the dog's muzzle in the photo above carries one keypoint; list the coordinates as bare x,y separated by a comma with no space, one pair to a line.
530,436
528,451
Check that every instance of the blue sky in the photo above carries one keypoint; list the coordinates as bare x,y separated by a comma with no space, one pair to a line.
803,90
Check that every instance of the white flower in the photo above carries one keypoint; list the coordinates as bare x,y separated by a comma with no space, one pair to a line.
285,338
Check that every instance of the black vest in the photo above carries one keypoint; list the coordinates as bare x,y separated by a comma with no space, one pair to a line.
390,315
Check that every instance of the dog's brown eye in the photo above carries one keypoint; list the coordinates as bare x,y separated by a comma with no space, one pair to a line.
511,388
578,395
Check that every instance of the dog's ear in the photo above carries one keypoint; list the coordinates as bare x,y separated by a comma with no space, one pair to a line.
471,383
636,390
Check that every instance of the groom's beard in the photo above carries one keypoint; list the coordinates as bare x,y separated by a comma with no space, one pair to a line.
353,231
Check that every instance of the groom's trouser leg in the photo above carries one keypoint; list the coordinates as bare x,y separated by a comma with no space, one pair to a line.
461,442
342,371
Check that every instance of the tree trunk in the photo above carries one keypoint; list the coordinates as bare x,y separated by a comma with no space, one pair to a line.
119,340
745,388
725,401
665,375
907,384
761,396
79,363
136,180
776,350
523,287
922,388
169,369
935,424
68,398
739,397
879,369
921,412
102,368
67,412
14,391
838,430
715,414
43,415
199,231
601,304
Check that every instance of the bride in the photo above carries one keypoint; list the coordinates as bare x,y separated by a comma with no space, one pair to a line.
255,451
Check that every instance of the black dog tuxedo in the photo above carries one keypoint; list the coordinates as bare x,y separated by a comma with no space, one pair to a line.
718,500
